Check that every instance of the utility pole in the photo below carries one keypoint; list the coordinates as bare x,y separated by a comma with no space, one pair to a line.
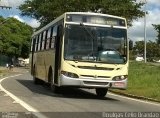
145,60
145,52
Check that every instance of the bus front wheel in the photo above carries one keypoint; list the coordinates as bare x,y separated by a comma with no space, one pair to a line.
53,87
101,92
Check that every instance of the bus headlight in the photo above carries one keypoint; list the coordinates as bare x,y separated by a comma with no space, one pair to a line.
69,74
119,78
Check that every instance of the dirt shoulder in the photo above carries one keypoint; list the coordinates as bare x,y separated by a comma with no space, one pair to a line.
6,72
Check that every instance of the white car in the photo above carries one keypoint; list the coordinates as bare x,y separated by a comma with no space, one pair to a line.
157,61
139,59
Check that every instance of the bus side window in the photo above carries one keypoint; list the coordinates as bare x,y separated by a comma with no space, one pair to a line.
39,44
31,45
35,48
54,37
51,34
43,41
48,39
60,31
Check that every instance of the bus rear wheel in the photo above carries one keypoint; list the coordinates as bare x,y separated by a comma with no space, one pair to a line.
35,79
101,92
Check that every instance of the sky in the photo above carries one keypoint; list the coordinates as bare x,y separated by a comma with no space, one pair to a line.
15,12
135,33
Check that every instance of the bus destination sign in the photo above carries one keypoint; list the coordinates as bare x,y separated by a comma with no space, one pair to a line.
102,20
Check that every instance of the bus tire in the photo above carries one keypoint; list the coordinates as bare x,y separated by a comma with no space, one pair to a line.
36,80
54,88
101,92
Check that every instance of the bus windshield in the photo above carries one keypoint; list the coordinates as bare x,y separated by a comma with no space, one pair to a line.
95,44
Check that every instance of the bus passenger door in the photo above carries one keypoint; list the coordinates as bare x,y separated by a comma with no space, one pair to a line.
58,48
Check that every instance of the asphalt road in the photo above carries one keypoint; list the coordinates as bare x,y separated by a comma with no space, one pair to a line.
70,101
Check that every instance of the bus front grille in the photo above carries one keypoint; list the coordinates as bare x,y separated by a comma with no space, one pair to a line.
95,83
95,68
92,76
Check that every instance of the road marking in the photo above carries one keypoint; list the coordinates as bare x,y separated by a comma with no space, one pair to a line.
21,102
6,95
15,102
134,99
129,98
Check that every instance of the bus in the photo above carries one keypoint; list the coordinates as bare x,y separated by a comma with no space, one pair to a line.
81,49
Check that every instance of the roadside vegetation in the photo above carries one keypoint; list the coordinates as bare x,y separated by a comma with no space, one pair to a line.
144,80
3,72
47,10
14,38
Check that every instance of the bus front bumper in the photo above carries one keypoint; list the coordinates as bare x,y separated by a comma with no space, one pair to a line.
92,83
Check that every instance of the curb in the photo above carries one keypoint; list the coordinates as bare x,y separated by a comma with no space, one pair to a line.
135,96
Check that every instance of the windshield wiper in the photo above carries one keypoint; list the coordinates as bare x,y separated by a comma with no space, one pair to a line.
93,38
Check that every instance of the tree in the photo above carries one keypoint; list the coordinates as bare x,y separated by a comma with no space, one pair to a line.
157,28
138,48
14,36
130,44
47,10
25,49
152,49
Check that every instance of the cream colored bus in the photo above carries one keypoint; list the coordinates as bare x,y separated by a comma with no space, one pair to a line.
81,49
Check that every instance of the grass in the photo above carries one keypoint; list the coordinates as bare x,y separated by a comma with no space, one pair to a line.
3,72
144,80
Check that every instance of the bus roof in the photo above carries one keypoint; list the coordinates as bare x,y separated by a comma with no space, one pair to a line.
78,13
92,13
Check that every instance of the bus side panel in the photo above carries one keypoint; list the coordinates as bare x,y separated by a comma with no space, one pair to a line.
50,62
39,65
45,60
